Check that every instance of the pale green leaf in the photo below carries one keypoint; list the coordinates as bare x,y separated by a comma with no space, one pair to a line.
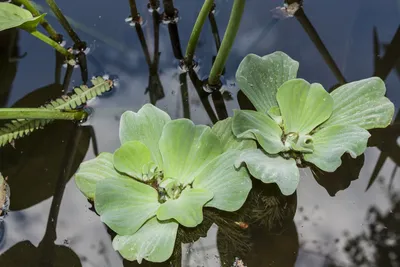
260,77
187,148
125,204
12,16
275,114
154,242
134,159
145,126
223,129
230,185
255,125
94,170
332,142
187,209
361,103
303,106
271,169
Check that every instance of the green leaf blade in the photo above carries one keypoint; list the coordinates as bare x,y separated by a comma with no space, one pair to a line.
248,124
12,16
229,185
260,77
154,242
187,148
361,103
271,169
332,142
134,159
94,170
125,204
303,106
223,129
145,126
187,209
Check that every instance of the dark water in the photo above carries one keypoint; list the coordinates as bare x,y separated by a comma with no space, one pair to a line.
353,227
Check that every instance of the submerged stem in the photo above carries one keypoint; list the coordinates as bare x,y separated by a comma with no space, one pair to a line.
41,113
227,42
64,22
45,24
52,43
195,35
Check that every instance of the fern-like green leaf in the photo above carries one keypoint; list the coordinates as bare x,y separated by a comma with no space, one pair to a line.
80,95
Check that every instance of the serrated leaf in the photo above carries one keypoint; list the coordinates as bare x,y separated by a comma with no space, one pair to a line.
187,209
249,124
223,129
154,242
12,16
19,128
303,106
332,142
271,169
361,103
260,77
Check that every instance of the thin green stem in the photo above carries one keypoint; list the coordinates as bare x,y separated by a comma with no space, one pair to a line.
45,24
41,113
64,22
227,42
195,35
52,43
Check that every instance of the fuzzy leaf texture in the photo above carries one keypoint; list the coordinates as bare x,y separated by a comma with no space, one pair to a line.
19,128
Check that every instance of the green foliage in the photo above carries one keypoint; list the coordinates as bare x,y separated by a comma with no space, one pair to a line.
12,16
163,175
300,123
18,128
3,192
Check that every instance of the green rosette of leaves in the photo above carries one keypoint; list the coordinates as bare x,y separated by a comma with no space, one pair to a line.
163,175
297,123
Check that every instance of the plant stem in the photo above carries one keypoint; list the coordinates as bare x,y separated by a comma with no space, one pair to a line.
41,113
52,43
195,35
45,24
227,42
64,22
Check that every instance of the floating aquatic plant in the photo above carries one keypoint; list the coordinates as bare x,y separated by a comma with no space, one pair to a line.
163,175
297,123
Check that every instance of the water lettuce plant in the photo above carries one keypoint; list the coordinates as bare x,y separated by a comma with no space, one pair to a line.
297,123
163,175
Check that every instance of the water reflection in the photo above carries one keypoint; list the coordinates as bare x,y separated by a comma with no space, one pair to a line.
314,237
